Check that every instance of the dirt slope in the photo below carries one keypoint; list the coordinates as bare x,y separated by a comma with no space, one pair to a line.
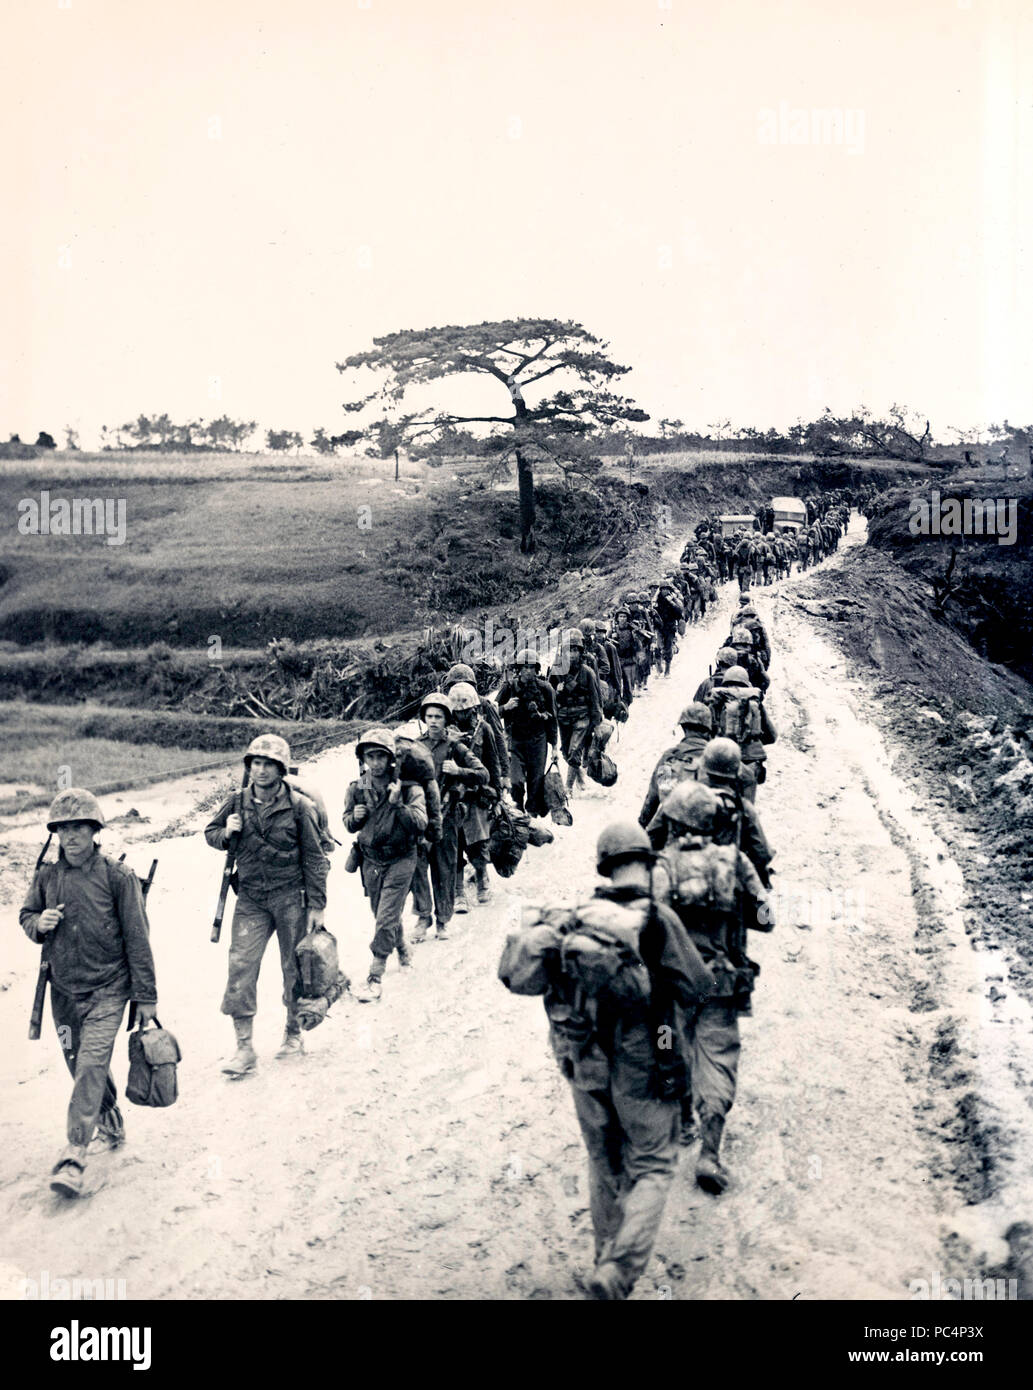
426,1147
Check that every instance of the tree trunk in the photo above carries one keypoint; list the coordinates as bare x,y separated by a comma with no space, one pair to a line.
525,485
396,465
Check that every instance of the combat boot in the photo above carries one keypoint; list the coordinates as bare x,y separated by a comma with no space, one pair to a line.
244,1059
688,1134
110,1133
483,887
710,1172
292,1046
607,1283
420,931
373,989
69,1170
404,955
461,905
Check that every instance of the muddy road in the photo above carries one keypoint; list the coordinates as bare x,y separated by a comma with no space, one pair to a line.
426,1147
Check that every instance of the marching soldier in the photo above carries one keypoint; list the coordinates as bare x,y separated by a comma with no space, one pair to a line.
388,817
456,769
87,911
623,1052
718,896
281,872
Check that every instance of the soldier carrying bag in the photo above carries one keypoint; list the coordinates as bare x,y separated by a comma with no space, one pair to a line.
153,1054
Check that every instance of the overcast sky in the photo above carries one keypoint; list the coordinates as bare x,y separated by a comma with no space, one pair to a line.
250,190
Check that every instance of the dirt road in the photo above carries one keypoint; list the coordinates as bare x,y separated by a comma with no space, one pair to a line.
426,1146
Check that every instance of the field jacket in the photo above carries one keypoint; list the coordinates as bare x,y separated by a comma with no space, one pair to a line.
102,938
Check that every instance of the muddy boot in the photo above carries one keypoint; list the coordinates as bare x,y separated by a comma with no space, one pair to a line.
244,1059
710,1173
571,780
420,931
292,1045
483,886
461,905
607,1284
373,989
69,1170
688,1133
443,931
404,954
111,1131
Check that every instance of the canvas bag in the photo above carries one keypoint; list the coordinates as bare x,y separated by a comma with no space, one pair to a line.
153,1054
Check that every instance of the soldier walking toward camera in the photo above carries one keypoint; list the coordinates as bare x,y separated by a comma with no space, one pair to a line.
528,706
281,892
579,709
455,769
622,1045
388,818
671,608
625,643
87,911
477,733
480,722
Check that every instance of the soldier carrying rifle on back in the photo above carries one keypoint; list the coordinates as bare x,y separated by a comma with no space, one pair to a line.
87,911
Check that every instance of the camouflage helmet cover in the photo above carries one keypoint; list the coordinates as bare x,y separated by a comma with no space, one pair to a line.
270,746
76,803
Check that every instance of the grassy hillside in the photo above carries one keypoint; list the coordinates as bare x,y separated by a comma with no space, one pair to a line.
249,549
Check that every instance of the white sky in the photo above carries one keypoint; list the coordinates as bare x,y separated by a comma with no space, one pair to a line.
387,164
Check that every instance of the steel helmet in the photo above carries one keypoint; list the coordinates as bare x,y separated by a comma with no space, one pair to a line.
437,698
748,611
574,637
696,716
460,672
622,609
735,675
270,746
643,598
742,637
691,804
721,760
526,657
376,738
75,804
587,626
726,656
620,842
464,696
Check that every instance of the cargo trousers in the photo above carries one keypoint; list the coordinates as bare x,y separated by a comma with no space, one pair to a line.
527,773
387,887
257,918
715,1057
574,739
87,1026
438,863
632,1148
